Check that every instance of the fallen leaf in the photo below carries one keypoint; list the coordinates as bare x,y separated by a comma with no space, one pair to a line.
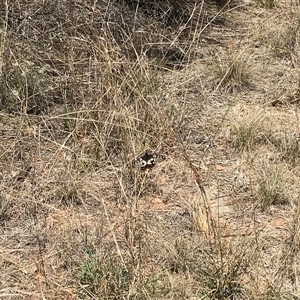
220,168
278,222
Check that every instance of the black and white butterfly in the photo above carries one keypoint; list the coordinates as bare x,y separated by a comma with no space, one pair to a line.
148,160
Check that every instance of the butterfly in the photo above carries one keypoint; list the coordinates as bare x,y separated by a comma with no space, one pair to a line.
148,160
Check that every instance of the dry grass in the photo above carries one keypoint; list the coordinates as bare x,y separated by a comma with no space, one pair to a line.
88,86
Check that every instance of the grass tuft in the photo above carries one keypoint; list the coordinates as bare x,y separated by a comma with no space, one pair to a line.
273,187
289,148
268,4
106,278
234,75
284,42
246,131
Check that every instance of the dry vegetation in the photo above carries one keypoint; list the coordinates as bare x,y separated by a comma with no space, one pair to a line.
88,86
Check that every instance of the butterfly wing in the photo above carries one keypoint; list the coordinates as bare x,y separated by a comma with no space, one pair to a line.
148,160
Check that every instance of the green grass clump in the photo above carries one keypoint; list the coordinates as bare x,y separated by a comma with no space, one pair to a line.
103,277
289,147
268,4
272,187
234,75
246,132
